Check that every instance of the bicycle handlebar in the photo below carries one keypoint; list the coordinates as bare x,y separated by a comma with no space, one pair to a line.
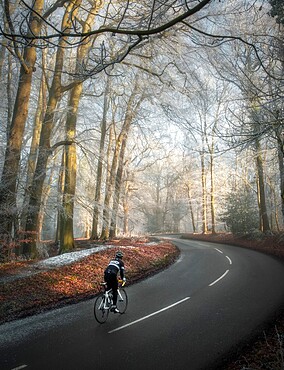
122,282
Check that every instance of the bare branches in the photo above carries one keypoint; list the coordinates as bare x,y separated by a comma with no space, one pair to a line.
224,38
117,23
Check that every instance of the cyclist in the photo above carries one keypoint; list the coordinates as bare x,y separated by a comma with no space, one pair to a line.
115,266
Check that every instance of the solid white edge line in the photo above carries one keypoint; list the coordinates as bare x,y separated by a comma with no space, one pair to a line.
146,317
19,367
218,250
229,259
221,277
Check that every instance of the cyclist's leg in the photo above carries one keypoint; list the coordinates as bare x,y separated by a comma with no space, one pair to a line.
112,283
114,289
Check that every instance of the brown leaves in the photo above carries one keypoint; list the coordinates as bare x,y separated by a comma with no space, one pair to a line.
79,280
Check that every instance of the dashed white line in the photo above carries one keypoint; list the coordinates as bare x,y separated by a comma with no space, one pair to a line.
152,314
19,367
221,277
218,250
229,259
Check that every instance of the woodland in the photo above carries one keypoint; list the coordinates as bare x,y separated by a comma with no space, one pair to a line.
123,118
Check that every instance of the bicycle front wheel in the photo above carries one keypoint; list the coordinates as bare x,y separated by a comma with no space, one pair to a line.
100,310
122,300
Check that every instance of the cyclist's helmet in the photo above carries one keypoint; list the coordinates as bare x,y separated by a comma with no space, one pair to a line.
119,254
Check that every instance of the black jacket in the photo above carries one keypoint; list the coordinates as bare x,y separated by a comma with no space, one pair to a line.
115,266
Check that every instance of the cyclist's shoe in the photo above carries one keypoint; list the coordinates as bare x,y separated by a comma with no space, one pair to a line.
114,309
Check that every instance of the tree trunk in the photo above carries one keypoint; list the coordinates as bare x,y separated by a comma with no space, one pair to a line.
55,94
261,187
8,206
66,220
66,224
204,195
126,211
66,227
191,209
212,195
60,188
67,232
131,110
31,165
95,224
109,190
281,172
118,183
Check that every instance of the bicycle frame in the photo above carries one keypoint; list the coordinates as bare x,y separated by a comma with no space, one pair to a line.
104,302
107,301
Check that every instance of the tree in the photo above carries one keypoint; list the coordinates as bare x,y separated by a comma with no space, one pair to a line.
27,59
66,225
241,216
45,150
133,103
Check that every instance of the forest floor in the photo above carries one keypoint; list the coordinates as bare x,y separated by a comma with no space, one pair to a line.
30,287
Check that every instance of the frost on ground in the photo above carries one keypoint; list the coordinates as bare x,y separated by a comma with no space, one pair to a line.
54,262
67,258
62,260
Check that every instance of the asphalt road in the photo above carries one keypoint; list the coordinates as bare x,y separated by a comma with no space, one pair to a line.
189,316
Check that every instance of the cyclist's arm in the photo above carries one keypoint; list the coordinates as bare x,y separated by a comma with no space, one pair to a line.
122,270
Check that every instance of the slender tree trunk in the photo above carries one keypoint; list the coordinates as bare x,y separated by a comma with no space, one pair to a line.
191,208
95,224
109,190
212,193
131,110
280,149
60,187
117,191
9,97
204,196
126,211
261,187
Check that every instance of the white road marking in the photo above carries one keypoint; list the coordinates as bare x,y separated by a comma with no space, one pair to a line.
221,277
19,367
229,260
147,317
218,250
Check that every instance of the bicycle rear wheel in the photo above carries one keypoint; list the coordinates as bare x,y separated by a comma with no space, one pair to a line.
100,312
122,300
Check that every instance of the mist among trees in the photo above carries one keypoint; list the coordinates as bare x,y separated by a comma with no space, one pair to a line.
129,118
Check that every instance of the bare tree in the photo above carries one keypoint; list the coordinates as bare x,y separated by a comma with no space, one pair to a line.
55,94
27,59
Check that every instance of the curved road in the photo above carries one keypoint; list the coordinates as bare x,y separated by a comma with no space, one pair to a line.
189,316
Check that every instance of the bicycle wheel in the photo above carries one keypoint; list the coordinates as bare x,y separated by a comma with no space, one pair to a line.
100,312
122,300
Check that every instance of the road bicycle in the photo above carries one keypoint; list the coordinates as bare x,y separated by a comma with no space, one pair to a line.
104,302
